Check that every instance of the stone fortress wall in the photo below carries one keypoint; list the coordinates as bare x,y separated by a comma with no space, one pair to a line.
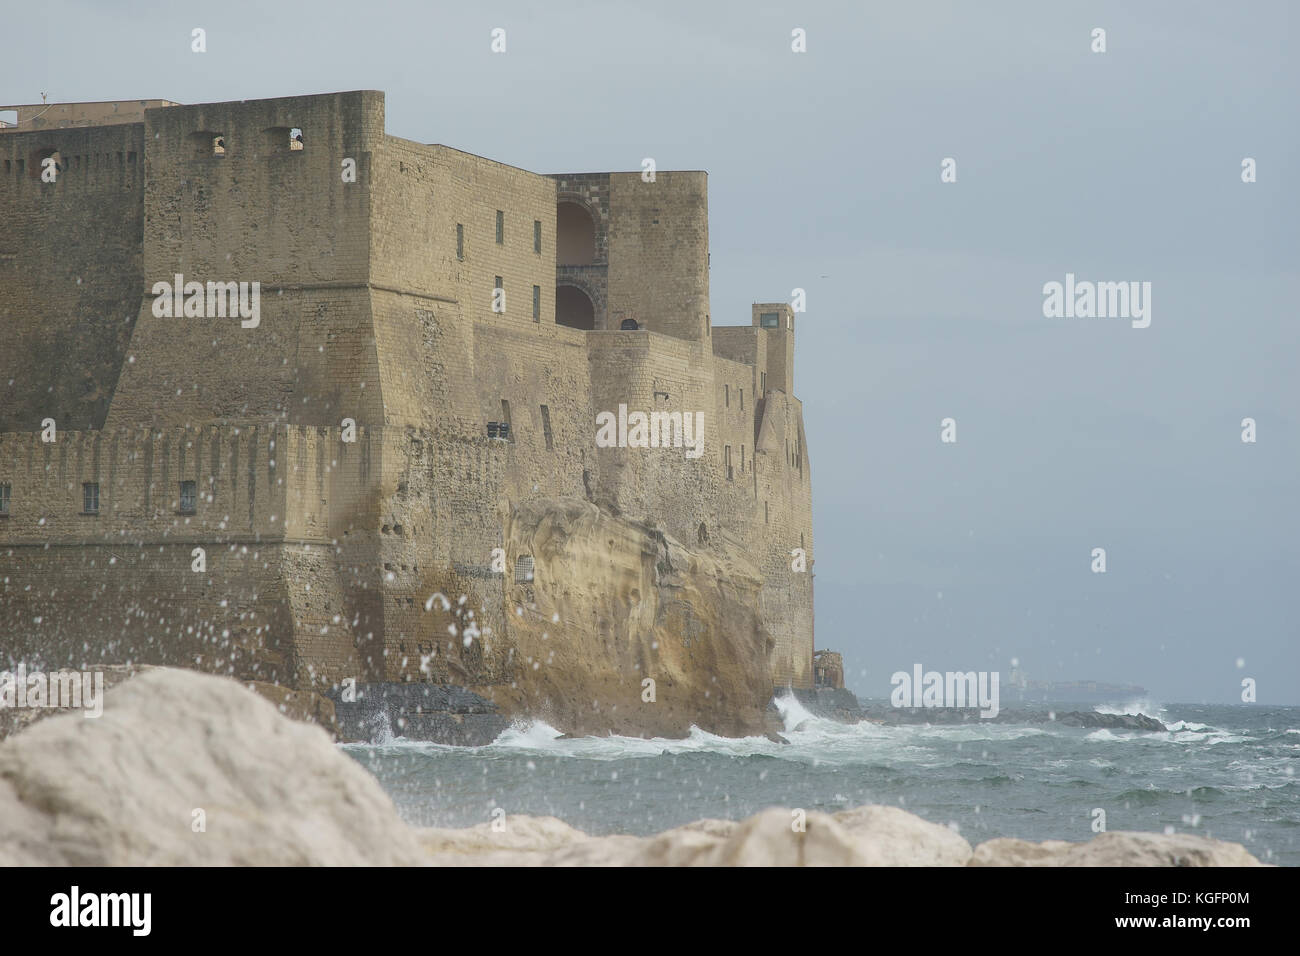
379,304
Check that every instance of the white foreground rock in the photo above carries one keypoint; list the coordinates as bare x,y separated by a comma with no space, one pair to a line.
122,790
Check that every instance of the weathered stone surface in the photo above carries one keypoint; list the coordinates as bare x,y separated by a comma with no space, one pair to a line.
632,603
121,789
1116,848
306,706
444,714
835,703
1088,718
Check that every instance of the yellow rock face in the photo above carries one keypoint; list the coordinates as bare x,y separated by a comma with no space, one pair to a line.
614,605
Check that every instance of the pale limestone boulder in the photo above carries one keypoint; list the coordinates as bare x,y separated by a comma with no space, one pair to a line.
894,837
1118,848
867,836
120,789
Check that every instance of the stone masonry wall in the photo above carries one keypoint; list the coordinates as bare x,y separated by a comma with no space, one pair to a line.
71,271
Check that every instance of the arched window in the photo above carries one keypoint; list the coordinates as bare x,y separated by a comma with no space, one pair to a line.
573,308
575,235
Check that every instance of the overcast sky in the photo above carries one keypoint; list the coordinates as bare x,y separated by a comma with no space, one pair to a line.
924,298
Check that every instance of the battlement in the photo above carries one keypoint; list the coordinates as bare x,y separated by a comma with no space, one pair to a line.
49,116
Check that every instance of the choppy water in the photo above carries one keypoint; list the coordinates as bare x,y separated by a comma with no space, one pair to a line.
1220,771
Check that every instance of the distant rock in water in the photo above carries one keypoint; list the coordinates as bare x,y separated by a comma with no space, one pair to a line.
882,711
1088,718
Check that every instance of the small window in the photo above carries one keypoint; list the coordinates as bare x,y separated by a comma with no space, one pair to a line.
537,235
295,139
36,167
5,491
765,512
460,241
726,460
204,144
742,399
501,227
537,303
742,459
90,498
524,569
770,320
726,394
546,428
189,497
497,283
762,382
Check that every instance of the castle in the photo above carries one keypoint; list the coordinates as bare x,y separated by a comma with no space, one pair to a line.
392,472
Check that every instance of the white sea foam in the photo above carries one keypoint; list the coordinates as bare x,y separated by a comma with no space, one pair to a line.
794,715
1141,705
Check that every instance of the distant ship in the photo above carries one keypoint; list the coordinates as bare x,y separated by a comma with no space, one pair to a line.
1021,690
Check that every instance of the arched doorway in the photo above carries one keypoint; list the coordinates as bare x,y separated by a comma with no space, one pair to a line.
575,235
573,308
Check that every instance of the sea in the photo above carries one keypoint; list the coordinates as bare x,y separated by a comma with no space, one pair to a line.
1228,772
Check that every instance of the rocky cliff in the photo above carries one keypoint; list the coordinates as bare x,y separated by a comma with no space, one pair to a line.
613,604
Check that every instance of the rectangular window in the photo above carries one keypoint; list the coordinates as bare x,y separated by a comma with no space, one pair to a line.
524,569
762,382
5,491
460,241
770,320
537,303
90,498
497,283
742,459
501,227
726,460
546,428
537,235
189,497
742,399
726,394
